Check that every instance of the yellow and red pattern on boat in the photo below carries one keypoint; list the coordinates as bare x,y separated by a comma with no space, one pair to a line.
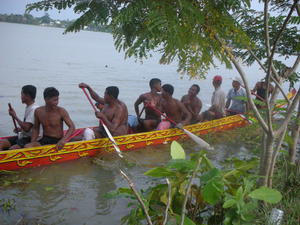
45,155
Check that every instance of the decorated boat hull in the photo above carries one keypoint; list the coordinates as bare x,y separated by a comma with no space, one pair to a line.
45,155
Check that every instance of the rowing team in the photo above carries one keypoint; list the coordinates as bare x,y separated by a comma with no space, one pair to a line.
44,125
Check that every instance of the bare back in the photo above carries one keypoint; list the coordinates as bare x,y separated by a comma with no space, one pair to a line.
176,111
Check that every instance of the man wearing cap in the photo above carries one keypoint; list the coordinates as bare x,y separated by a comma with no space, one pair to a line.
234,105
217,109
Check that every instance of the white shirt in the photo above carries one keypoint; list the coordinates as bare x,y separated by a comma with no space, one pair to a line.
218,100
29,118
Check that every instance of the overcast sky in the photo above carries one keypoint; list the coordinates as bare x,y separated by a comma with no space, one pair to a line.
18,7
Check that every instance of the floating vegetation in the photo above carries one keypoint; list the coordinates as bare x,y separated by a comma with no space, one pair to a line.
7,205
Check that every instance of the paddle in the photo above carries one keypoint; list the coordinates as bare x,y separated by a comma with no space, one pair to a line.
198,140
105,127
14,121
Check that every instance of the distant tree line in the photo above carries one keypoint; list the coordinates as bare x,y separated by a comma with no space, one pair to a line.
47,21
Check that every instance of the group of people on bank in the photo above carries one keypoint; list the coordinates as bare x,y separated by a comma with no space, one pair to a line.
44,125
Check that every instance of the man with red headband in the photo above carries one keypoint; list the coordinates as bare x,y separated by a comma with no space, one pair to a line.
217,109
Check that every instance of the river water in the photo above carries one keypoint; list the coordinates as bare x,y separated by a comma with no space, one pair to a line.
72,193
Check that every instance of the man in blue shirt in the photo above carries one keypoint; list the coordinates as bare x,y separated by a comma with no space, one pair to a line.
235,105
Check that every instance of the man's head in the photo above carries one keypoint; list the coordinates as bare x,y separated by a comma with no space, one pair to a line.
51,96
236,83
194,90
155,83
217,81
28,93
167,90
111,93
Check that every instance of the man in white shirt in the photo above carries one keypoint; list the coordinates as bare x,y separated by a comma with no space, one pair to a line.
234,105
28,94
217,109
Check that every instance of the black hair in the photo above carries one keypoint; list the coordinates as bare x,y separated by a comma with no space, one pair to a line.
154,81
197,86
168,88
50,92
29,90
113,91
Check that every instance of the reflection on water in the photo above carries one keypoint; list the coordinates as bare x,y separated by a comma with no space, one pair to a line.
73,192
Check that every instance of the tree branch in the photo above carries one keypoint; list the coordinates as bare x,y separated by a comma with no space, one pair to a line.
267,43
136,193
289,113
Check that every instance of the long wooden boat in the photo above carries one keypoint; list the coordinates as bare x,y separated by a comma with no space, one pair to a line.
48,154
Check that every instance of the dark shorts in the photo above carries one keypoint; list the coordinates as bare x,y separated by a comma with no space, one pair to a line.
21,142
46,140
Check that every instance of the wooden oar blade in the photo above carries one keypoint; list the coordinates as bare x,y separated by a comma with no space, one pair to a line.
112,140
203,144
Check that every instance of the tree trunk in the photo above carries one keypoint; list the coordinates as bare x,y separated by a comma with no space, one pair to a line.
266,161
295,137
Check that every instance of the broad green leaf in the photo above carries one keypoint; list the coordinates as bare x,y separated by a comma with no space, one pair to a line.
181,164
160,172
210,175
213,190
187,221
229,203
177,151
266,194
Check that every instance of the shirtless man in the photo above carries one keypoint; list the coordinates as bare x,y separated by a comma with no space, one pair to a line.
152,118
114,113
51,117
28,94
192,103
173,108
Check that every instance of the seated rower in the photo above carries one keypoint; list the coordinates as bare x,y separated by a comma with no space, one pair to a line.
51,117
152,118
192,103
114,113
28,94
233,104
217,109
173,108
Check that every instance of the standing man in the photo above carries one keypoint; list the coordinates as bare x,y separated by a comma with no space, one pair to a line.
114,113
234,105
260,91
217,109
28,94
173,108
51,117
153,98
192,103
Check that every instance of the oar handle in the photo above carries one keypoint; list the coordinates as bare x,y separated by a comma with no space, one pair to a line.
90,100
13,119
158,111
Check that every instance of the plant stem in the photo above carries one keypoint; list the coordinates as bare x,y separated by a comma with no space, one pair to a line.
136,193
188,190
169,201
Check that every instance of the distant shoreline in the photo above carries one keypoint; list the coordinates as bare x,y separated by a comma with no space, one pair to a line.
46,21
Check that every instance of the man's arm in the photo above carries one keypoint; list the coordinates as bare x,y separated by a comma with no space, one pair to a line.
136,105
36,127
25,126
93,94
66,118
187,114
